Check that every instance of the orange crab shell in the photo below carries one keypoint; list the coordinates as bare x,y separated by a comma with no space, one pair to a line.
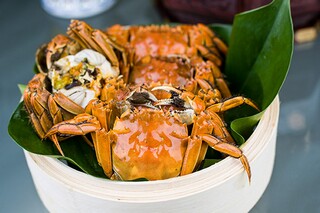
148,144
160,70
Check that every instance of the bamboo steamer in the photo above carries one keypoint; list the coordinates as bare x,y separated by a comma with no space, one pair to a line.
223,187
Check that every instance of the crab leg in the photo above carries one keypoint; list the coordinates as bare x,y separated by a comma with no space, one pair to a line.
219,80
212,41
96,124
55,140
221,46
101,111
196,149
103,151
106,44
103,114
102,40
191,155
37,125
54,110
220,129
211,45
81,124
222,85
228,149
203,84
67,104
209,55
44,108
205,123
95,39
35,98
81,32
40,111
232,103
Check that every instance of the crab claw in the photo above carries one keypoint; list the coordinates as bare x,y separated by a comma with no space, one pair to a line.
229,149
174,99
142,98
167,88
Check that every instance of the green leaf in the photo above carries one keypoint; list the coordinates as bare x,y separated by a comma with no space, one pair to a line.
261,46
35,69
22,87
209,162
75,149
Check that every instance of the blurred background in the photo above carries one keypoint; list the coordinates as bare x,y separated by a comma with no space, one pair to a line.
295,183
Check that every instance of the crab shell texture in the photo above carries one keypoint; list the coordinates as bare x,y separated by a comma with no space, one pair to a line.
148,144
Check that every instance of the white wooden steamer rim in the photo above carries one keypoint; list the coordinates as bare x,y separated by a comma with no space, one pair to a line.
222,187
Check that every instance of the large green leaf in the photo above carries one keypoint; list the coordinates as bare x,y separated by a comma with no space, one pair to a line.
261,46
75,149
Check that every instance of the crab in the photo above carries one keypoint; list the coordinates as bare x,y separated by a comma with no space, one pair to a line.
178,55
73,71
142,136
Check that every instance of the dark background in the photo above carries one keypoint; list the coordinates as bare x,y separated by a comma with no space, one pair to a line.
295,183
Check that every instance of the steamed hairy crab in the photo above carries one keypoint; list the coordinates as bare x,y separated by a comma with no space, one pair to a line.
152,98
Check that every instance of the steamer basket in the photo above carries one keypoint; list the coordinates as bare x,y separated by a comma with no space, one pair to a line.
223,187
